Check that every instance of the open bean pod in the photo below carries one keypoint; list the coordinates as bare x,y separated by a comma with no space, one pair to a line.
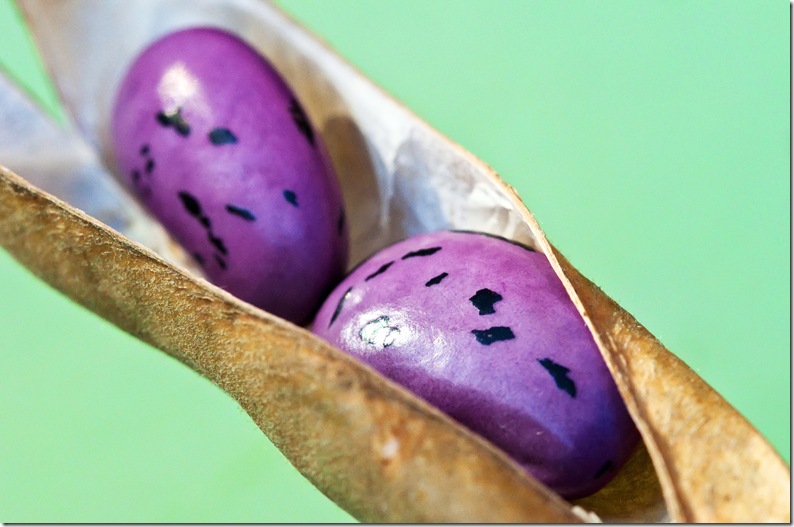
700,459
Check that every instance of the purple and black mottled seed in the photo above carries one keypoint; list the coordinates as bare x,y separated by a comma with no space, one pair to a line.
436,280
421,252
222,136
339,306
291,197
604,469
484,300
241,212
488,336
220,261
175,120
218,243
144,150
382,269
149,166
191,204
560,375
300,119
378,332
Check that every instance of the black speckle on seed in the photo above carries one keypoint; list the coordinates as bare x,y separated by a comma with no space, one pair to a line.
222,136
340,223
174,120
379,333
436,279
484,301
191,204
245,214
136,175
149,166
218,243
560,375
144,150
300,119
205,221
220,261
291,197
182,128
494,334
199,259
421,252
382,269
339,306
604,469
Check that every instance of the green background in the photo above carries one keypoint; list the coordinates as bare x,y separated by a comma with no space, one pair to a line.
650,139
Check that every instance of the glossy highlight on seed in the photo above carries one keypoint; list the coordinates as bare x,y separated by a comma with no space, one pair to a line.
482,328
218,147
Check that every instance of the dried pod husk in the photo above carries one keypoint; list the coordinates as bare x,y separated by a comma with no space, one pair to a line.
700,460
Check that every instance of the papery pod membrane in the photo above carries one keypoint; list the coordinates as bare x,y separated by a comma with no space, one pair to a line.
700,461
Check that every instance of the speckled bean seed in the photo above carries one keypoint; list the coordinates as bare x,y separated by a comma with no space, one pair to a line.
217,146
483,329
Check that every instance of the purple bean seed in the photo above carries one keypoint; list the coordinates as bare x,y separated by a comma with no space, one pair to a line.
483,329
220,150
